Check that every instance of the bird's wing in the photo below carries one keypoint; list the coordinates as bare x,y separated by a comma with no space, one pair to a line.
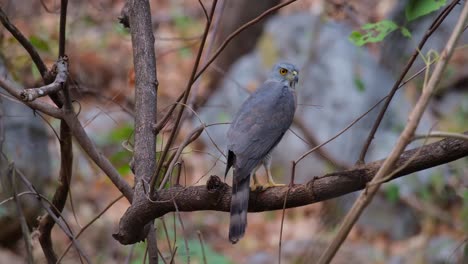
261,123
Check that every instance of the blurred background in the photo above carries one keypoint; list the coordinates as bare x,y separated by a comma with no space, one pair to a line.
420,218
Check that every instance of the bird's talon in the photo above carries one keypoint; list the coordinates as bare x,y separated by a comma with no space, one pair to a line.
256,187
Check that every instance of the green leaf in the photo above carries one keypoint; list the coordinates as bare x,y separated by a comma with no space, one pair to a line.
359,84
39,43
121,133
405,32
392,192
372,32
418,8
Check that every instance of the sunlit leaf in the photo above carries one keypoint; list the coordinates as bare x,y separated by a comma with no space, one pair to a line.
359,84
372,32
418,8
392,192
39,43
405,32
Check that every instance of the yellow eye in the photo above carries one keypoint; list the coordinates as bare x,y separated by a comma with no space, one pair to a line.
283,71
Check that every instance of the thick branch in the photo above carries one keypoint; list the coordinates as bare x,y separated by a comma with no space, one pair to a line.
146,87
216,195
61,72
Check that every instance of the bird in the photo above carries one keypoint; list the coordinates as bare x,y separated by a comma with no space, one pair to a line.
256,129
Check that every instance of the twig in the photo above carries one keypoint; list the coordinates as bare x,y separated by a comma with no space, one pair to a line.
440,18
167,234
189,139
216,195
405,137
184,235
22,219
441,134
200,238
291,184
61,69
173,255
162,257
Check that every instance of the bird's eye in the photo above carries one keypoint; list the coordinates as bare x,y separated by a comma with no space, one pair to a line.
283,71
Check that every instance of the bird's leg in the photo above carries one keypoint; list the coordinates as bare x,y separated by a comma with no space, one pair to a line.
271,182
256,185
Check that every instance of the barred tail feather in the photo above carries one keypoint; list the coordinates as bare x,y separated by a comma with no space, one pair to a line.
239,206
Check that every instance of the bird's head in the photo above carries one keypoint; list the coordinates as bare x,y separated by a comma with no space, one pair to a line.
285,72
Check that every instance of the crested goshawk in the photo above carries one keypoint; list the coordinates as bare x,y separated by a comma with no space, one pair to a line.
255,131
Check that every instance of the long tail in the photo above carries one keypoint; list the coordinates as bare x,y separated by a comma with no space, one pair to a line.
239,206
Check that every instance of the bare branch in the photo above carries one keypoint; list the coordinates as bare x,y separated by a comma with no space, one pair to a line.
61,72
216,195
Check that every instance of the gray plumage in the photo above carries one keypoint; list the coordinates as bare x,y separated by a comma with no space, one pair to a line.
255,130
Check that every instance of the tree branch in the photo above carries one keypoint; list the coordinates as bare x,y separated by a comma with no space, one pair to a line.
216,195
146,87
61,73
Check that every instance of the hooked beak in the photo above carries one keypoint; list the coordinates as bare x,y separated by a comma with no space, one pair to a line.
293,78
